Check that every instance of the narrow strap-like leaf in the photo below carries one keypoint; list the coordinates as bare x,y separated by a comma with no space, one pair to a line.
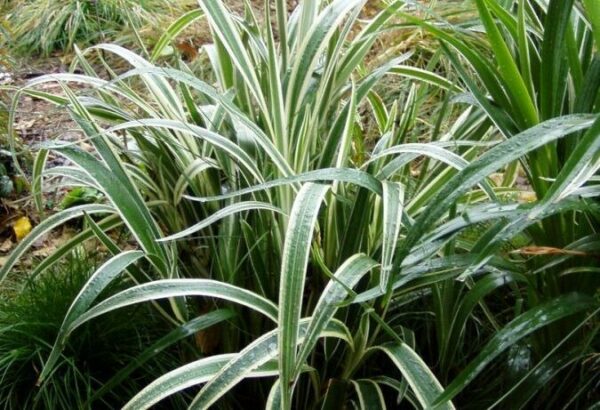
500,155
106,224
524,105
168,288
220,214
173,30
46,226
189,375
425,76
115,182
181,332
393,204
296,251
37,177
570,176
593,10
551,68
370,396
520,327
99,280
337,289
215,139
349,175
309,51
274,399
225,29
474,296
256,354
421,379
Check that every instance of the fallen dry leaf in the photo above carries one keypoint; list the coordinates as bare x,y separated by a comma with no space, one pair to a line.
22,228
547,250
527,196
53,242
24,125
6,245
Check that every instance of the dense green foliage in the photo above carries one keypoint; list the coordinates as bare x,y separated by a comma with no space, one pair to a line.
459,269
30,317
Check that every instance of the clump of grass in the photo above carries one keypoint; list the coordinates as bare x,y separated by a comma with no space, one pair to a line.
29,321
43,26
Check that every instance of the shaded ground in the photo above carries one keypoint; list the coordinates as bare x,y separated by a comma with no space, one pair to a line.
36,121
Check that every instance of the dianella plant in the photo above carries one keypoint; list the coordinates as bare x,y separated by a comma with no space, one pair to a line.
402,272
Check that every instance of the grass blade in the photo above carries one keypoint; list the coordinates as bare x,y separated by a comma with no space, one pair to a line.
573,173
296,251
370,396
498,156
224,28
46,226
221,214
593,10
256,354
551,83
508,69
37,181
416,372
168,288
517,329
393,204
344,280
173,31
352,176
274,399
189,375
181,332
215,139
90,291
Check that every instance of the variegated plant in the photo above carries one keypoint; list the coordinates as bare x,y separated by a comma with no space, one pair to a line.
252,192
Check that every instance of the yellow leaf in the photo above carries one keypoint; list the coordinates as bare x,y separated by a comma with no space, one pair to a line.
22,228
527,196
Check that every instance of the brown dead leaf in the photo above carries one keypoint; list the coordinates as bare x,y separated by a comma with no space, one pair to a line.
189,50
6,246
547,250
48,246
208,340
25,125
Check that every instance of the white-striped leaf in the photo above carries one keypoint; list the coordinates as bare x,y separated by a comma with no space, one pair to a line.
296,251
422,381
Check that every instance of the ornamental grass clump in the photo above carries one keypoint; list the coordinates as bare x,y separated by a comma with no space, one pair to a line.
40,27
31,313
359,274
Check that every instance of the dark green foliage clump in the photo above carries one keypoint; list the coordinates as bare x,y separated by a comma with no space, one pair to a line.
29,322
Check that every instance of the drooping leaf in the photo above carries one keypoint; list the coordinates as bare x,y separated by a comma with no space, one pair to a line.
420,378
520,327
99,280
